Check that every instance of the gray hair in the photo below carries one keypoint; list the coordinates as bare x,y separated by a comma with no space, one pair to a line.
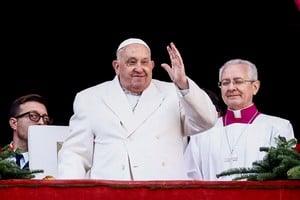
252,70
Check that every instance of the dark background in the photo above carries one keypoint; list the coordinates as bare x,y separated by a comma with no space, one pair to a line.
58,52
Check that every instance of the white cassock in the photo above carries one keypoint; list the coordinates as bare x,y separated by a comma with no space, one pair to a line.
233,146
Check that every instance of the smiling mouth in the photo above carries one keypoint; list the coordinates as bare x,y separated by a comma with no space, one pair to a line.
232,96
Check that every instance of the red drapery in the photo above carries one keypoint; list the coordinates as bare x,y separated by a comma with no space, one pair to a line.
152,190
297,2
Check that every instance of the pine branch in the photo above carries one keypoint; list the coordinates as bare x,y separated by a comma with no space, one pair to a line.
249,177
294,172
237,171
280,162
266,176
9,169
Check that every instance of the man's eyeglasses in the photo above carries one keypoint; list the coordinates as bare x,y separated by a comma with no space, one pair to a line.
34,116
236,82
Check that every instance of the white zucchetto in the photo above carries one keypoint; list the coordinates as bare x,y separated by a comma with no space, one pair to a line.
132,41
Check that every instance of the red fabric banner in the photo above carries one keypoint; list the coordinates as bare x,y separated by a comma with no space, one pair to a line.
152,190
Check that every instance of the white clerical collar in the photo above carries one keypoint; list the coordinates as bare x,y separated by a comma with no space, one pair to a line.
127,92
245,115
131,93
237,114
132,97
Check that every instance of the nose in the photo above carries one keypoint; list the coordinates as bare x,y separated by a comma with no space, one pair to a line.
138,68
232,84
41,121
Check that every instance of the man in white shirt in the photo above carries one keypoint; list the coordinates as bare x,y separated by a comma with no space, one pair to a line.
235,139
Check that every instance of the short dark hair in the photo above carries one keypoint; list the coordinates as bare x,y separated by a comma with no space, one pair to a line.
15,106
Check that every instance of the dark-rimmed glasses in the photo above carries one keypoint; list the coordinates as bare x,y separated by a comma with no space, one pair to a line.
35,117
236,82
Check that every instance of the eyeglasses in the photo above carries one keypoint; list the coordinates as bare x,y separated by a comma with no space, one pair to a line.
35,117
236,82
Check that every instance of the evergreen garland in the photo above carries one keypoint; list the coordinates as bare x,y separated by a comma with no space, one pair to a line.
280,163
9,169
